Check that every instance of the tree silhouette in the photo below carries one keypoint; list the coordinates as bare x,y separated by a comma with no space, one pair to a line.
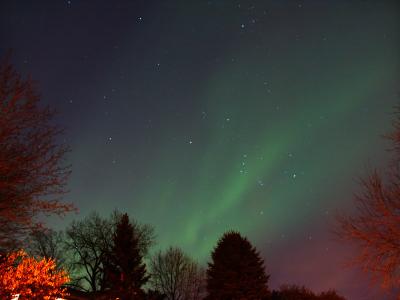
48,243
87,248
88,241
294,292
176,275
33,173
236,270
30,278
330,295
154,295
126,271
375,227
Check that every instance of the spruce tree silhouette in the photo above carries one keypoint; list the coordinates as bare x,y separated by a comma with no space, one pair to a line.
126,269
236,271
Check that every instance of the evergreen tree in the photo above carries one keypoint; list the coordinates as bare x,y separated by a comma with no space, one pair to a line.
236,271
126,270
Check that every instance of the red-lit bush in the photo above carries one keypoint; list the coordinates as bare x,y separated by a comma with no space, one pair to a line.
30,278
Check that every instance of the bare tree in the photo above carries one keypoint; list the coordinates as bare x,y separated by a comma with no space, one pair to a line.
176,275
375,227
89,240
89,243
195,283
33,173
48,243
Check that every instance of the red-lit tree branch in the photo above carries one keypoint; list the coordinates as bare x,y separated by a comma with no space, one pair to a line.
375,228
33,173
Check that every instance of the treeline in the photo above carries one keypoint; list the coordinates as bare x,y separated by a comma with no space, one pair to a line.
109,257
106,257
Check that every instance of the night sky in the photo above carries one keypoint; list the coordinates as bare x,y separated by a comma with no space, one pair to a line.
202,116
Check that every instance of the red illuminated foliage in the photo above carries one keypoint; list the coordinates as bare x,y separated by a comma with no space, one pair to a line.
375,228
30,278
33,174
